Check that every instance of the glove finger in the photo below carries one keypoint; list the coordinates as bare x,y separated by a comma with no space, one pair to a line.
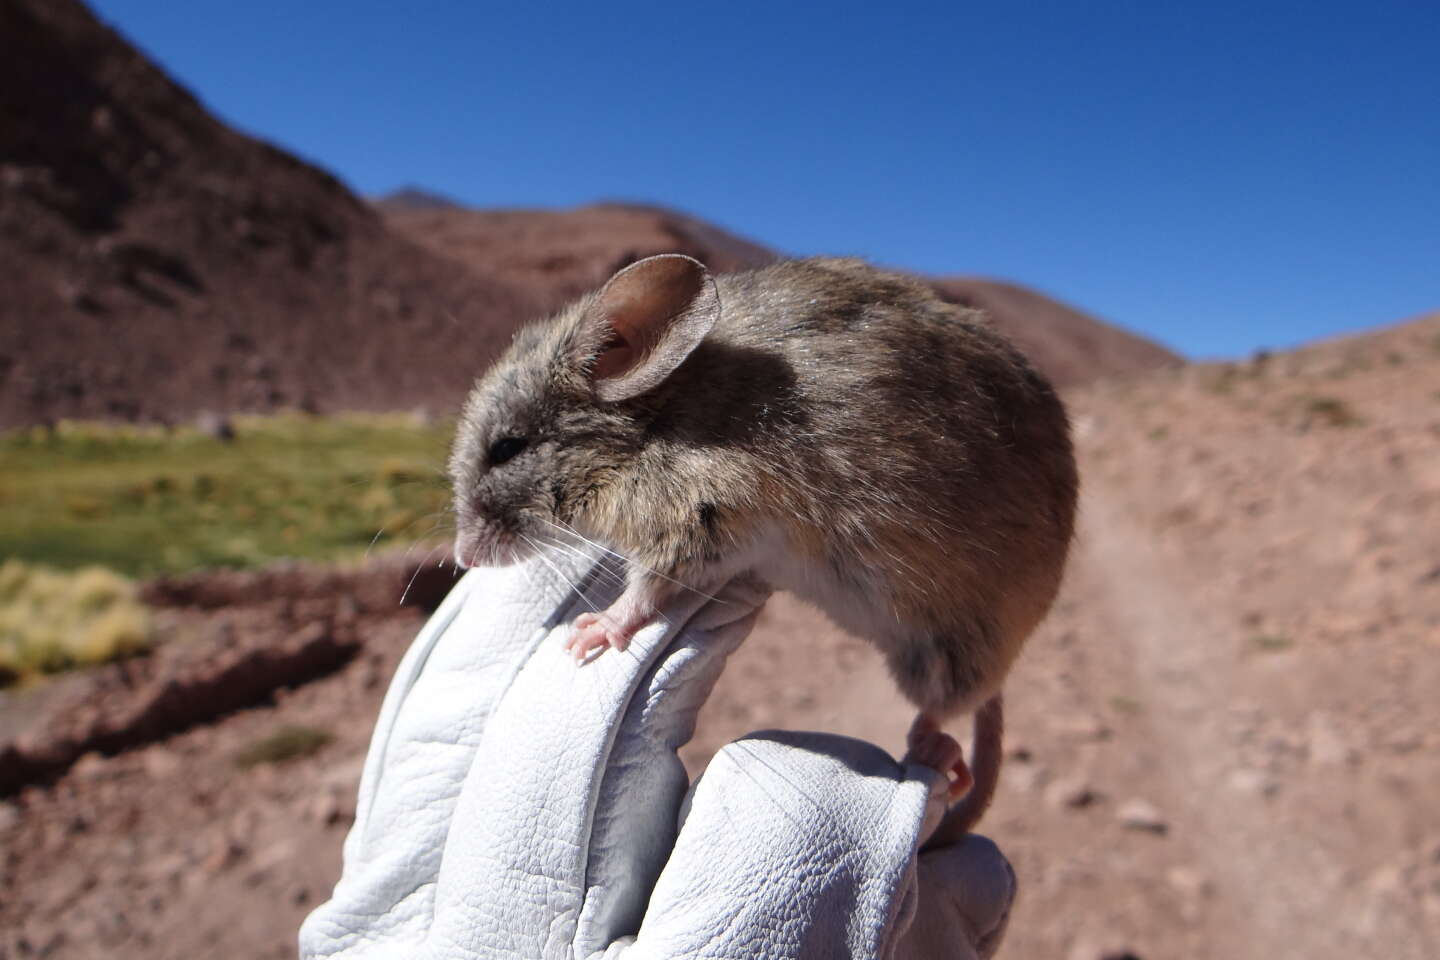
534,820
432,720
965,894
644,781
795,845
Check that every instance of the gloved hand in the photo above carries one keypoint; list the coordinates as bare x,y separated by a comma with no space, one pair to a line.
516,805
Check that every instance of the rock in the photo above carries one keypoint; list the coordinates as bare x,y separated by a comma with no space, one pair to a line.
161,763
1326,748
91,766
215,425
1192,889
1143,816
1025,777
325,807
164,870
278,857
1084,727
1250,780
1072,793
224,853
1087,948
9,816
345,774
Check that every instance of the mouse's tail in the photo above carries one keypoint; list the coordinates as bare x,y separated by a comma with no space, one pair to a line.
986,752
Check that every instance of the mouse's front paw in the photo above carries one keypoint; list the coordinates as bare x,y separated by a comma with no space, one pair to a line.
593,633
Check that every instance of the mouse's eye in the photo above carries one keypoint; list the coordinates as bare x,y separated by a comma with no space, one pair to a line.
505,449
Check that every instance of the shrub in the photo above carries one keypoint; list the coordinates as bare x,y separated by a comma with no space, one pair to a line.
287,743
52,620
1331,411
1270,642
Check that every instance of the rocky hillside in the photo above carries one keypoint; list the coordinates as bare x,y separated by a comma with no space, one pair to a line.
1070,346
554,255
158,262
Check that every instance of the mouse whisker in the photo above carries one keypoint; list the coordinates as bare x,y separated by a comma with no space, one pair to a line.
418,567
374,540
555,569
566,528
603,572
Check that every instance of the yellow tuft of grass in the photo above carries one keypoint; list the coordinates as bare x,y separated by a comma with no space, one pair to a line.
52,620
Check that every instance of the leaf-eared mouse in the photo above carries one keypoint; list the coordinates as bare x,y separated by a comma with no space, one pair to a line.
830,428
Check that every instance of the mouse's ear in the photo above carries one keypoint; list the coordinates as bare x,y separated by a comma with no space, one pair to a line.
646,320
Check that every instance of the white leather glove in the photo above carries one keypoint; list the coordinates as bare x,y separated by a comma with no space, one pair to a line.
516,805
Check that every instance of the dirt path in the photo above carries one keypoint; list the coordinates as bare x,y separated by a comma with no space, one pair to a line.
1262,879
1205,753
1225,741
1143,802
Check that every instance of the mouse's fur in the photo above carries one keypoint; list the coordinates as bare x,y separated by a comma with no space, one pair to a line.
839,431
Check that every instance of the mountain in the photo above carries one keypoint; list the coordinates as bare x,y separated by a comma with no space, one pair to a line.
555,255
159,262
1070,346
414,198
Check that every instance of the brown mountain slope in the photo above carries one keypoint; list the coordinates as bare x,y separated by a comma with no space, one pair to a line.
556,254
157,262
1072,347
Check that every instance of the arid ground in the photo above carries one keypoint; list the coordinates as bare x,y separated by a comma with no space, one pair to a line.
1224,742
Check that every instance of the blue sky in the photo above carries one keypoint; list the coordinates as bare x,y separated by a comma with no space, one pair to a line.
1220,176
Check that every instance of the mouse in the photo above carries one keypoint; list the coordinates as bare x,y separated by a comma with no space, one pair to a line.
823,425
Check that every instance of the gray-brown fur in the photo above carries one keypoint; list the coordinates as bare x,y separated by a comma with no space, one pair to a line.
917,465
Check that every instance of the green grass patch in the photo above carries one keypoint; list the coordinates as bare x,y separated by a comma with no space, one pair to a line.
52,620
145,501
287,743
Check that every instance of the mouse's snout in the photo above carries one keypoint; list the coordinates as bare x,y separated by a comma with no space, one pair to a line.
481,544
462,556
465,549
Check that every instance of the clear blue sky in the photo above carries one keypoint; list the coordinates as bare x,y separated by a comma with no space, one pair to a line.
1219,175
